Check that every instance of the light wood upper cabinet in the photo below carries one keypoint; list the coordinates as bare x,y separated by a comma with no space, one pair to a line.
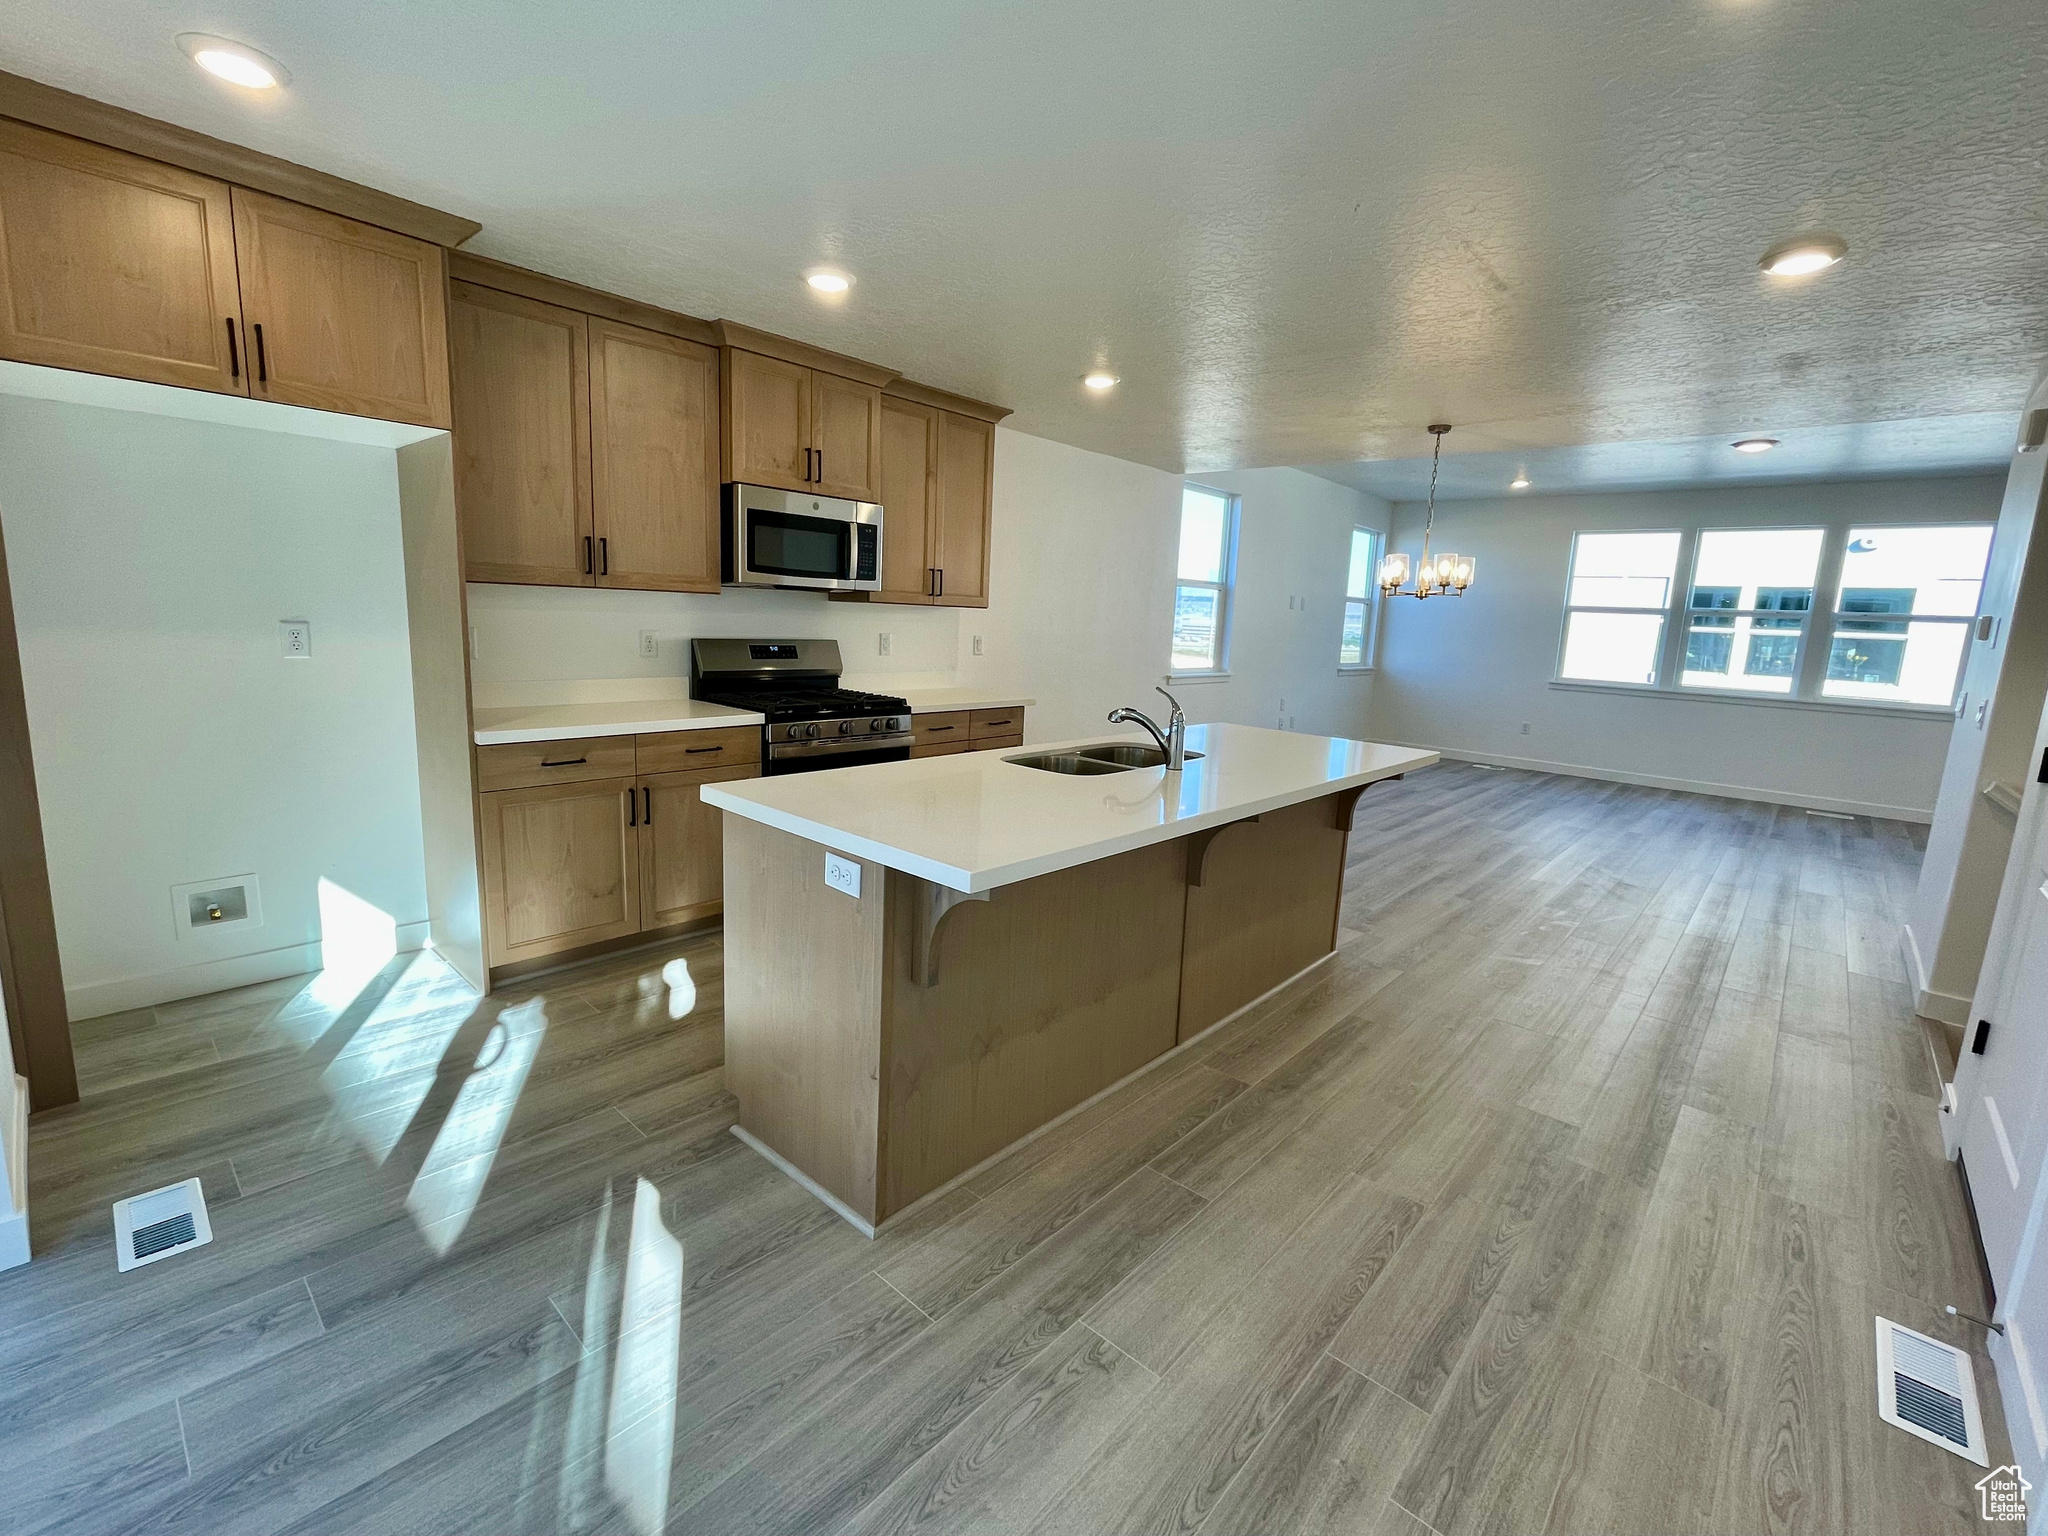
767,425
110,263
522,438
342,316
909,473
654,437
561,867
682,843
961,523
846,436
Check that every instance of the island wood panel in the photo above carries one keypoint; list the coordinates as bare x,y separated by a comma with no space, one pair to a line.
846,431
682,845
522,437
1265,908
654,445
342,316
561,867
110,263
803,1009
1047,993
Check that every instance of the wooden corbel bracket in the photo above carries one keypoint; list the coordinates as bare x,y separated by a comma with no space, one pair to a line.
1198,845
934,901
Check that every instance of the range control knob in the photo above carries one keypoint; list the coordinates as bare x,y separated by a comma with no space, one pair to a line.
846,727
811,730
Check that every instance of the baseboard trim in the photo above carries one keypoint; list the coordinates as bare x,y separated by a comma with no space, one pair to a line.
1689,786
869,1229
93,999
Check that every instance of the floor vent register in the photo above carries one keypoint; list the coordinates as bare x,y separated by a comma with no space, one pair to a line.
160,1224
1928,1388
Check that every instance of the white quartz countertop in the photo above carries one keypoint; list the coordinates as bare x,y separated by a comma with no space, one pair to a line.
566,722
938,701
973,822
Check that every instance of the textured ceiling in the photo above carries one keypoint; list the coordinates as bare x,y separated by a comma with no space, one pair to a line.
1931,446
1299,232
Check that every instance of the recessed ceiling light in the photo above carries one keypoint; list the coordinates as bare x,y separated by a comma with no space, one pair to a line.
1099,380
1519,483
1803,255
1754,444
236,63
828,281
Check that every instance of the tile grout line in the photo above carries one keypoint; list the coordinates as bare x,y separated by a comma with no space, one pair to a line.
630,1121
184,1445
1112,1343
307,1282
1390,1391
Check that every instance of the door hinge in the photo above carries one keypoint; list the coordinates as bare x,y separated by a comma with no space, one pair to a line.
1983,1034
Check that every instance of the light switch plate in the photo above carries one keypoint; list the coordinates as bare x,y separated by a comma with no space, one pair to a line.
843,874
295,639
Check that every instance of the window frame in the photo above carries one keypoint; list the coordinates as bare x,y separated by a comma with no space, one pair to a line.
1564,628
1225,589
1817,632
1373,601
1801,656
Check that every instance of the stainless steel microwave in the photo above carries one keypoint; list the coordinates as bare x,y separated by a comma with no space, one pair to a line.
777,538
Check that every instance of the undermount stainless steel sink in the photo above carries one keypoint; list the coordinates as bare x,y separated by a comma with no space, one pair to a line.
1066,762
1109,757
1130,755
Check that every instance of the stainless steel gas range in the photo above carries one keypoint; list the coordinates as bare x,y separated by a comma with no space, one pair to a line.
812,722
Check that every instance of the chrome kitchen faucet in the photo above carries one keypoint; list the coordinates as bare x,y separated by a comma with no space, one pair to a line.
1173,741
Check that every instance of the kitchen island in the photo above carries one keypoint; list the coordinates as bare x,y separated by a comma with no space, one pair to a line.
928,961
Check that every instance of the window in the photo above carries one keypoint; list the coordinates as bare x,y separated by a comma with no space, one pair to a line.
1361,601
1201,594
1902,620
1619,589
1888,609
1751,596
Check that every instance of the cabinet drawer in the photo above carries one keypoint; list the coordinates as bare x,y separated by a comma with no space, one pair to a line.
680,751
939,730
997,743
527,764
941,748
996,722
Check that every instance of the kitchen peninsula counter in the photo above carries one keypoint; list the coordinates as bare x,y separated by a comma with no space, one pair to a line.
997,945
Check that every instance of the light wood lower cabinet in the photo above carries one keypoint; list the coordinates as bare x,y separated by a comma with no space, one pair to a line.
561,867
571,865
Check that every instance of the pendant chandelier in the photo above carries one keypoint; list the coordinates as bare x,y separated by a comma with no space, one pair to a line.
1435,574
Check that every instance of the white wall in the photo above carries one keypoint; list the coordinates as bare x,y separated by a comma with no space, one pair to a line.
1465,674
153,558
1080,612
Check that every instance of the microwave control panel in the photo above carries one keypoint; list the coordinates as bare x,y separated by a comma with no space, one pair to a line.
866,555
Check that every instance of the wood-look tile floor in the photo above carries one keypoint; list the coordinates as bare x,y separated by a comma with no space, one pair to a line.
1560,1200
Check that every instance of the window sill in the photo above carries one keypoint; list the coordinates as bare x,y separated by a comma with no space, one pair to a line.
1709,696
1366,668
1198,677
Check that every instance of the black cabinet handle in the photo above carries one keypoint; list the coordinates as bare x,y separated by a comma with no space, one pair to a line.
647,817
567,762
262,358
234,356
933,730
942,583
693,751
604,557
632,808
821,466
586,555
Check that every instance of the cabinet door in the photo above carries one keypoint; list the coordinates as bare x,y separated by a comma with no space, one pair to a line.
342,316
846,431
114,264
522,438
966,477
654,437
767,424
910,465
682,846
561,867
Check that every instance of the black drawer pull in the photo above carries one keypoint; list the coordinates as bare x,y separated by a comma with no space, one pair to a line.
567,762
933,730
693,751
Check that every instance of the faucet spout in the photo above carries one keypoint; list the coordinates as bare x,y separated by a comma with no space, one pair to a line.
1173,740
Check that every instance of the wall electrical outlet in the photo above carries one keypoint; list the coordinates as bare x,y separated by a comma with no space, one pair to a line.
1525,727
295,639
650,643
842,874
977,645
882,647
